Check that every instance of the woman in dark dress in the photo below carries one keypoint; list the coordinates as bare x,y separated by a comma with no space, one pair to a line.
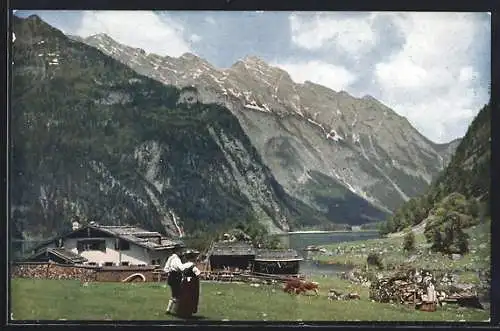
189,294
181,279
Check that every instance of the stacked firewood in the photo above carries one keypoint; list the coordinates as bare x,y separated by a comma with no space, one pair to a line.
408,286
414,286
395,290
53,271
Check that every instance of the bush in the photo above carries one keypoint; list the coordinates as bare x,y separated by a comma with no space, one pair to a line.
375,260
409,242
437,241
450,237
462,242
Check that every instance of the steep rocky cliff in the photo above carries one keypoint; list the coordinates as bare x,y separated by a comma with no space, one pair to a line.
91,137
304,132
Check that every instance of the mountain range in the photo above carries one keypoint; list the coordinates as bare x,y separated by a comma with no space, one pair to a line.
107,131
304,129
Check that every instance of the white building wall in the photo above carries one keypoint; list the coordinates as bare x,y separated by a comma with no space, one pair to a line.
161,255
134,256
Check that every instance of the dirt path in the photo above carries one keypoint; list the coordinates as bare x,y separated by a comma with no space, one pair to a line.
417,229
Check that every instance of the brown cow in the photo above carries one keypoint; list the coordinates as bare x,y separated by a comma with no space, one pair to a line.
298,286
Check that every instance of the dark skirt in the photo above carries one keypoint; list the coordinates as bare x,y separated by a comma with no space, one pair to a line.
189,297
174,281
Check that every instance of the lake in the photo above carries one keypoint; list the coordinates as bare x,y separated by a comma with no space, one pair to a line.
300,240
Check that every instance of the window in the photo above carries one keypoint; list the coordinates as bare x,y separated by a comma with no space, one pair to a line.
125,263
91,245
122,245
108,264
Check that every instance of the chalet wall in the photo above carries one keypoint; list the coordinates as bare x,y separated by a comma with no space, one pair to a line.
134,256
160,255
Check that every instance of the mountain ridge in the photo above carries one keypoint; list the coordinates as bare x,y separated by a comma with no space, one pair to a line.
256,59
256,92
94,138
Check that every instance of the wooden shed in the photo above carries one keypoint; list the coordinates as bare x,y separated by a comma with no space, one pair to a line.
277,261
231,256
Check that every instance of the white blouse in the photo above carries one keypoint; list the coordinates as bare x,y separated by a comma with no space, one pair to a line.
174,263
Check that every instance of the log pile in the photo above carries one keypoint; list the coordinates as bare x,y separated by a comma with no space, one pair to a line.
393,290
404,286
53,271
412,287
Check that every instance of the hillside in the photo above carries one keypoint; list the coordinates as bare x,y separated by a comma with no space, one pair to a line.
93,138
463,187
321,145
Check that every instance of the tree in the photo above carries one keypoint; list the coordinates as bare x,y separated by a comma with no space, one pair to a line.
448,235
437,241
474,208
409,242
375,260
462,242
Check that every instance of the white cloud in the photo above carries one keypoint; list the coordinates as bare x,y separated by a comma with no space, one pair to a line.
142,29
353,35
431,80
335,77
467,74
210,20
195,38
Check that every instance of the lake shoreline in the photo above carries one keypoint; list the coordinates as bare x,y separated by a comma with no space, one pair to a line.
324,231
339,264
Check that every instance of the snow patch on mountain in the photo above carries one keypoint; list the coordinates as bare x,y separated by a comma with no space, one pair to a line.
333,135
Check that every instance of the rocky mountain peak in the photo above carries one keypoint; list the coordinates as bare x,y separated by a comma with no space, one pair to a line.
357,142
253,60
102,36
191,57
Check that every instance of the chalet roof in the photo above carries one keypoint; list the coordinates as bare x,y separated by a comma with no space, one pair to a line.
138,236
232,248
131,234
61,253
277,255
128,230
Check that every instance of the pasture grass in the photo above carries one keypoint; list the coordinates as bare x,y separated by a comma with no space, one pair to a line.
70,300
355,253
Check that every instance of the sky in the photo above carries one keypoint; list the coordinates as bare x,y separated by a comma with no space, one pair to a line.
432,68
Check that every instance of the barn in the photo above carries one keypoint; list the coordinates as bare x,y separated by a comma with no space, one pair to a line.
231,256
274,261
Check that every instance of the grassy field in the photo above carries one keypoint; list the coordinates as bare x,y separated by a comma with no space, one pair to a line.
70,300
391,249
